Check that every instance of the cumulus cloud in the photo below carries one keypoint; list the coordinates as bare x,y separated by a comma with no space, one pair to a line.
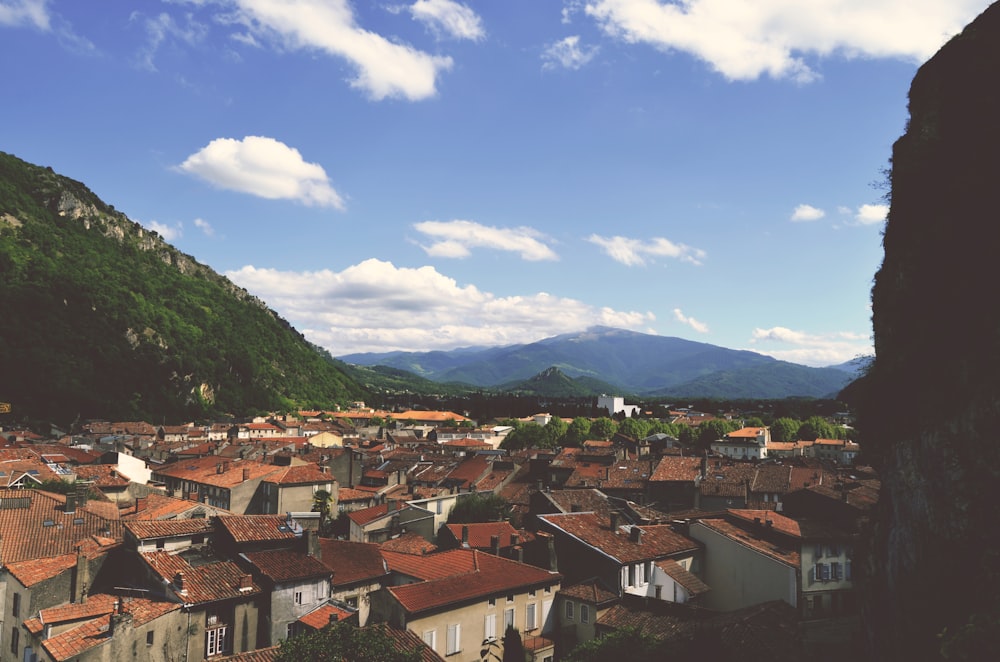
204,226
871,214
168,232
384,68
745,39
376,306
264,167
634,252
807,213
20,13
449,18
810,349
700,327
456,239
568,54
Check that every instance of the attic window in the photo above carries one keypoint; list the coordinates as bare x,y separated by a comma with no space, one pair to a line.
48,522
77,520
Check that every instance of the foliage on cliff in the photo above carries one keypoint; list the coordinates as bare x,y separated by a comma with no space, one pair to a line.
102,318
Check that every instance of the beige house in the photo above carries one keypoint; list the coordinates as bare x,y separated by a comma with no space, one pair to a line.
456,600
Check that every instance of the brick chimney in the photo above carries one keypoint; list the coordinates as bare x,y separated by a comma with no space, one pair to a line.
246,473
179,583
465,536
495,544
636,535
246,583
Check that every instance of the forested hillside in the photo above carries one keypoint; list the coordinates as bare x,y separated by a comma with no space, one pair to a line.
100,317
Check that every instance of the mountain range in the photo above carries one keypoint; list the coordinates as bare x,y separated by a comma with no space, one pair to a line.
603,359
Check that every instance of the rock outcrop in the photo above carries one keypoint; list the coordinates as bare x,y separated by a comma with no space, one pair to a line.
931,403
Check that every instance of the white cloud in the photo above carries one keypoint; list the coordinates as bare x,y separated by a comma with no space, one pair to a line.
376,306
811,349
384,68
264,167
700,327
18,13
807,213
633,252
168,232
568,54
871,214
456,238
163,27
204,226
745,39
450,18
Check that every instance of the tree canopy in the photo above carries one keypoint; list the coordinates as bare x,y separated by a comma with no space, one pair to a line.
343,642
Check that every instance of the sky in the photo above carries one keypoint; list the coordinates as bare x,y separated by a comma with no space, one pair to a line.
432,174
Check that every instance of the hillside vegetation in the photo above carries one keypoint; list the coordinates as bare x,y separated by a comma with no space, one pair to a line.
102,318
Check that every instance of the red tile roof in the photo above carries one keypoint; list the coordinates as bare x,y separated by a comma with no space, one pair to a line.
215,471
592,591
31,572
352,562
683,577
304,474
477,576
256,528
673,469
286,566
319,618
658,540
481,534
786,552
409,543
34,525
150,529
204,583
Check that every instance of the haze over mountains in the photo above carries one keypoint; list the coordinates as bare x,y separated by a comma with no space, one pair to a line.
627,362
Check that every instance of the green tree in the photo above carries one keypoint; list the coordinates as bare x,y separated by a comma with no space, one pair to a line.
577,432
635,428
716,428
603,428
340,642
555,430
321,504
785,429
817,427
513,647
479,508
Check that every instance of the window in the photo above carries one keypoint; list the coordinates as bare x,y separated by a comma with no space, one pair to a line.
352,601
14,634
161,543
569,610
584,613
836,571
290,630
508,618
819,551
149,638
631,575
454,638
847,570
510,597
15,607
493,602
490,628
430,638
215,641
822,572
321,590
531,593
529,617
298,597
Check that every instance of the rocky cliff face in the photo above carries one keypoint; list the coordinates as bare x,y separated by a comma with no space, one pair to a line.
931,407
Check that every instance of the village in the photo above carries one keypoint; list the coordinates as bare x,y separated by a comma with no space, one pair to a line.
220,541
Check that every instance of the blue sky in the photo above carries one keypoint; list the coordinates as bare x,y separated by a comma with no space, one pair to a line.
434,174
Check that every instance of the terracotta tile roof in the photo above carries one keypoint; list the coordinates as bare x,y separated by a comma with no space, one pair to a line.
409,543
102,475
407,640
221,580
772,479
95,615
31,572
493,480
319,617
285,566
160,507
588,500
431,566
214,471
469,470
150,529
269,654
745,433
592,591
257,528
435,416
303,474
673,469
778,522
785,551
657,541
34,525
368,515
481,534
352,562
484,575
685,578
